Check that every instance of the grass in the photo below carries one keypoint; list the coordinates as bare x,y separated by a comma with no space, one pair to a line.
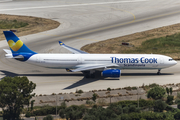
162,45
164,40
9,24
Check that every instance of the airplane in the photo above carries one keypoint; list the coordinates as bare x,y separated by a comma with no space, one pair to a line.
91,65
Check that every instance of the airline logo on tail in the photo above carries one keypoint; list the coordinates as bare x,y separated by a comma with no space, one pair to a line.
15,46
18,48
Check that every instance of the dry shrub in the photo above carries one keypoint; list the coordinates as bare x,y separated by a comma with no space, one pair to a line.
53,94
101,102
41,101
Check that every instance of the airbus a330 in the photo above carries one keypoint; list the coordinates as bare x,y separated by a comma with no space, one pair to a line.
106,65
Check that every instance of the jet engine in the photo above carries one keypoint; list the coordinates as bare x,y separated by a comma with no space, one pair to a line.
111,73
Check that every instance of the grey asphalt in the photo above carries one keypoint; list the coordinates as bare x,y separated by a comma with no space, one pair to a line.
85,22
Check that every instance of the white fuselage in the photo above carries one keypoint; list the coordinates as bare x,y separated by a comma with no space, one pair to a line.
124,61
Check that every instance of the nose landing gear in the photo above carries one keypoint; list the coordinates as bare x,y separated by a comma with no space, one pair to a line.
159,72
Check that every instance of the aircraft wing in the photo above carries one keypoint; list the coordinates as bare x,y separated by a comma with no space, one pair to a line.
92,67
73,50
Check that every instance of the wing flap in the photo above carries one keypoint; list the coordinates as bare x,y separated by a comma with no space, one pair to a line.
93,67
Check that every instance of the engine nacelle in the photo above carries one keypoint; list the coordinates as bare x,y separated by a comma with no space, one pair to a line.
111,73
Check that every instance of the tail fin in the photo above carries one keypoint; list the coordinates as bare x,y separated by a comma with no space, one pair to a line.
15,44
17,47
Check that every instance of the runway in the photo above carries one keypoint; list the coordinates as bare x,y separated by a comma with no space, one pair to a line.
84,22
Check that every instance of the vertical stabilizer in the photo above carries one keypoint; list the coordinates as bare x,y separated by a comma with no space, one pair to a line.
15,44
17,47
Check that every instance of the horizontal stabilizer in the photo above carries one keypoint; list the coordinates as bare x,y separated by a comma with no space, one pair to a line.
16,57
10,55
7,51
19,57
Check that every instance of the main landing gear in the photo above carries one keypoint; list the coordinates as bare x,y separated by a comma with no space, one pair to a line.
91,74
159,72
88,74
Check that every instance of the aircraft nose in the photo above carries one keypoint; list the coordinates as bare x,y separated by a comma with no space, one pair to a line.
175,62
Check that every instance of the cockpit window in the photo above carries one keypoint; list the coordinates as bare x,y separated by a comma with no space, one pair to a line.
170,59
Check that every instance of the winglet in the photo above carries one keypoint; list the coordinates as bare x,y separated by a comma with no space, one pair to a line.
61,43
68,70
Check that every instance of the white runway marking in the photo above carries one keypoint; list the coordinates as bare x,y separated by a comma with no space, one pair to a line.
5,0
72,5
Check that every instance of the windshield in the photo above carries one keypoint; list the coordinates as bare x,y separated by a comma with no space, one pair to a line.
170,59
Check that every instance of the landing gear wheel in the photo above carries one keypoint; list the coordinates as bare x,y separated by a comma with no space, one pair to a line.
92,75
87,74
159,72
